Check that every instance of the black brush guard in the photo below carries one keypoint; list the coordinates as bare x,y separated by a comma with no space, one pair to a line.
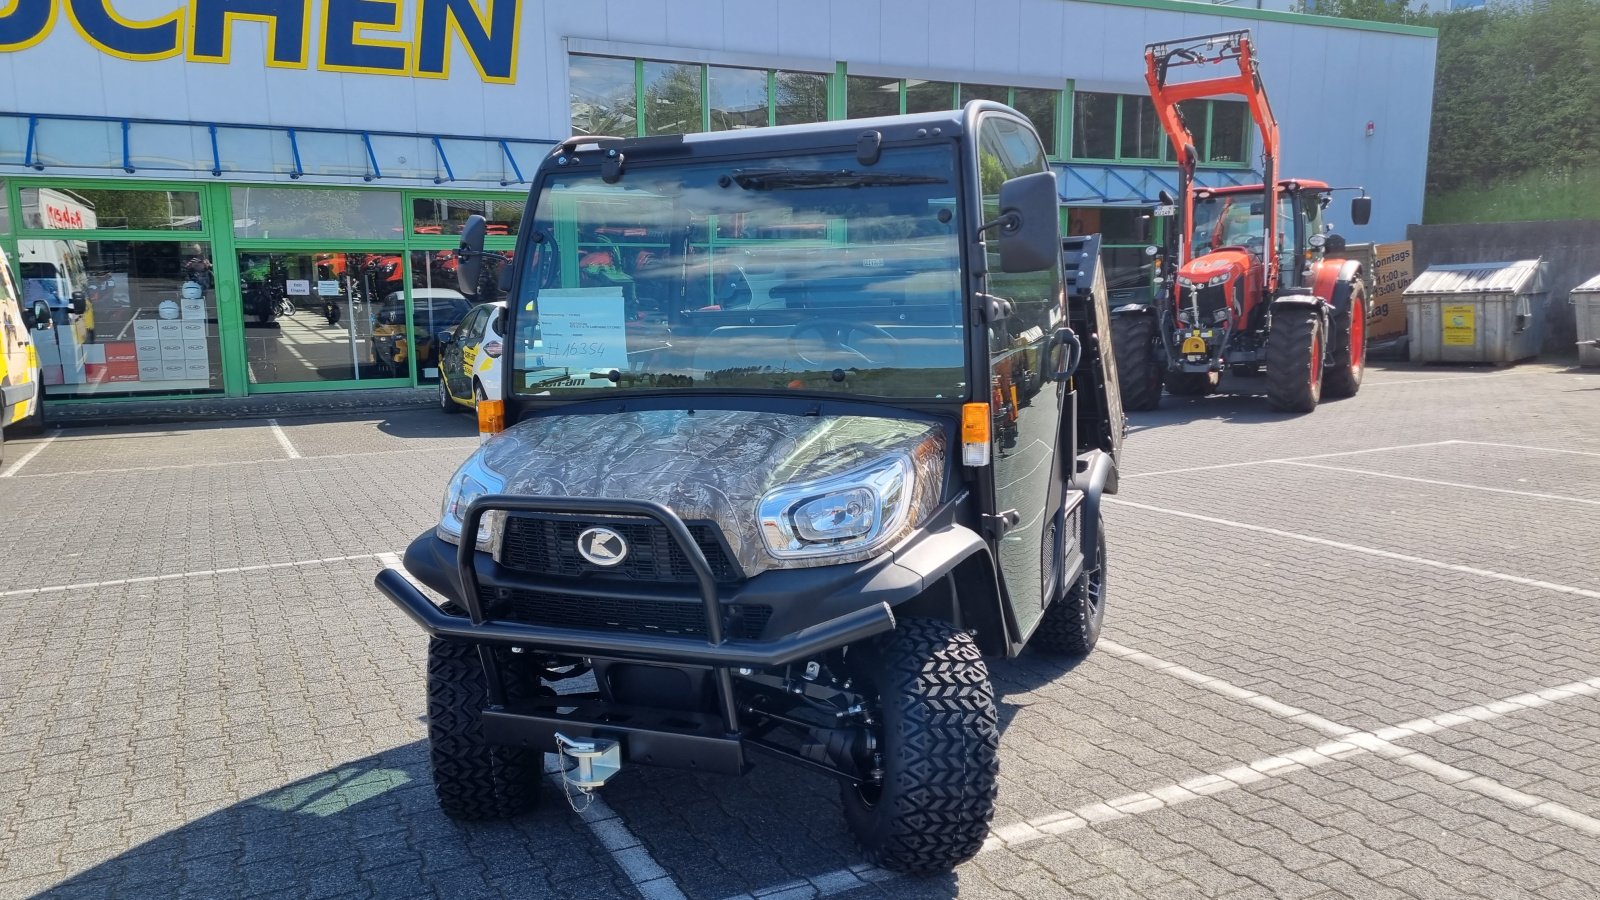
669,738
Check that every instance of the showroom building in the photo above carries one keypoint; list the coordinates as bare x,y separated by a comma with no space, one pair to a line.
263,197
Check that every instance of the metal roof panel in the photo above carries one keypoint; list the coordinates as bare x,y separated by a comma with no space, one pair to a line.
1525,276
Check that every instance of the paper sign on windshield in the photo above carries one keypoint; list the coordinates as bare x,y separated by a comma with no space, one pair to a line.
583,329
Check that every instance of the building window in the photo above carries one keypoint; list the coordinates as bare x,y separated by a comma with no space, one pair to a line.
929,96
1124,128
738,98
800,98
1094,126
273,212
86,209
870,97
447,215
5,208
127,317
604,95
1040,108
673,103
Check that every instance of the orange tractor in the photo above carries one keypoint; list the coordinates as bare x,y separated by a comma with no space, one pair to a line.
1251,288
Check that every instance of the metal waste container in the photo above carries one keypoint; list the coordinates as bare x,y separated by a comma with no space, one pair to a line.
1477,312
1585,300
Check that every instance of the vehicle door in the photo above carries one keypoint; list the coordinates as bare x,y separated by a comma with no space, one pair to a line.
1026,402
453,364
491,346
17,376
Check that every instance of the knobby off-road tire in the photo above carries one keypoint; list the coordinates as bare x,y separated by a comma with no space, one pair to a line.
473,778
1344,378
940,747
1071,625
1138,369
1294,361
1192,384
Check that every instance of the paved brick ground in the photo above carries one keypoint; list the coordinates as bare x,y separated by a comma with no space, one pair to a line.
221,705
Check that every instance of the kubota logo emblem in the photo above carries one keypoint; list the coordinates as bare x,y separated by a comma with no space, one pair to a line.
602,546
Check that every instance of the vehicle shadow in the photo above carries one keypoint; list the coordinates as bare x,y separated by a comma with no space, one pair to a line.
428,423
372,826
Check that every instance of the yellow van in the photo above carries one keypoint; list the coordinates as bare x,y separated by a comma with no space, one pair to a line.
21,387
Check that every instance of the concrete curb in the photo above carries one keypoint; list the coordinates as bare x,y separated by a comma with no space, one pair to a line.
215,409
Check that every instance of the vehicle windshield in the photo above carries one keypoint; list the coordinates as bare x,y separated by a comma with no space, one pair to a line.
785,273
1229,220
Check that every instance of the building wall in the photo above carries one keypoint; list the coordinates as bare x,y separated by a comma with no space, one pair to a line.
1328,78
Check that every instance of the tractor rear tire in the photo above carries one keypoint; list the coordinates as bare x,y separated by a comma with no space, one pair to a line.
1071,625
1191,384
1139,369
474,779
1344,379
1294,360
939,740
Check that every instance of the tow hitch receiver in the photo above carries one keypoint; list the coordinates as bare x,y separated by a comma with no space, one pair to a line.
595,761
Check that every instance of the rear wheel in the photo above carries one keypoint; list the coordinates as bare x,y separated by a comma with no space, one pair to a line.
1071,625
34,423
473,778
939,745
1139,368
1344,379
1294,360
1192,384
445,402
478,395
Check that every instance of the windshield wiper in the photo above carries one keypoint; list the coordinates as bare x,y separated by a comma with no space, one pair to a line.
779,179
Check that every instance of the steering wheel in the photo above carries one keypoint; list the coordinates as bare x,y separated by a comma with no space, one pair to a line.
1255,244
832,334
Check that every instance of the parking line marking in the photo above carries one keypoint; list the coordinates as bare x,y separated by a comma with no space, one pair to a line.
1527,447
1381,742
240,462
626,850
1346,745
1457,484
1369,551
175,576
283,438
23,460
1260,462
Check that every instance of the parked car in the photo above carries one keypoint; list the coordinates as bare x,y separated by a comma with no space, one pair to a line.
21,377
432,310
469,358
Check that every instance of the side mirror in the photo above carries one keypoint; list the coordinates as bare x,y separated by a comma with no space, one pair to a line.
1029,223
37,316
469,258
80,304
1165,198
445,337
1361,210
1334,244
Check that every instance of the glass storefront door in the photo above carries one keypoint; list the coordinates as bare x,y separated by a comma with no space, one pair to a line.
310,316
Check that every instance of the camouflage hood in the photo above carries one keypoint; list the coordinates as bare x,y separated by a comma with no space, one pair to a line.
711,465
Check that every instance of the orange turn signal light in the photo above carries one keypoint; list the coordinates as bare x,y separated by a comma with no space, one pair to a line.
491,416
976,425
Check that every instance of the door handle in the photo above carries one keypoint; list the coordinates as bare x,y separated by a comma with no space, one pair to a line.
1065,337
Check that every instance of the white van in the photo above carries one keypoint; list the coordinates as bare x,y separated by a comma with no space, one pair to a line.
21,383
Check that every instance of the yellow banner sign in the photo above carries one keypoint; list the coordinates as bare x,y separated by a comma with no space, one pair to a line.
1391,272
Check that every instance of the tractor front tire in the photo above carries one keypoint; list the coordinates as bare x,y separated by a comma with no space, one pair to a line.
1139,369
1294,360
1344,379
939,740
475,780
1071,625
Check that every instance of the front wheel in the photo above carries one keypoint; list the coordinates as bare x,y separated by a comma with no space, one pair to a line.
939,748
1294,360
34,423
473,778
1139,368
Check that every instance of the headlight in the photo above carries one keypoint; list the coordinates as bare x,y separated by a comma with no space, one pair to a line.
471,481
1184,282
1219,279
845,513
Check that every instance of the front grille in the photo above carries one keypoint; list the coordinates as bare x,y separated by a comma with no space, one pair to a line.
739,621
547,544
